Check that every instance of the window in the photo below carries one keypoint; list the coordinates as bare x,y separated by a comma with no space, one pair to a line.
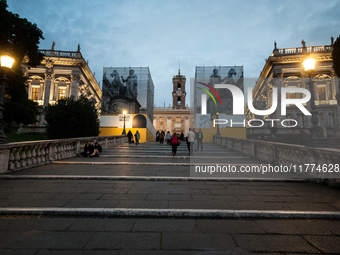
179,86
62,94
178,119
322,93
292,95
35,93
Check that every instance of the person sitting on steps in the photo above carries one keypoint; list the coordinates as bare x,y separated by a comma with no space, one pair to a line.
97,150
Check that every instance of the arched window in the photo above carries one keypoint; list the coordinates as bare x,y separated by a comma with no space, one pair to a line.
293,82
322,88
62,88
35,89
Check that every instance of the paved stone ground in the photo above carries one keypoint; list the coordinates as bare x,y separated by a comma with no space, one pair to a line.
31,234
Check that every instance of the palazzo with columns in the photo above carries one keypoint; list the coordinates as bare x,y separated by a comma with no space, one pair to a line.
61,74
284,69
178,117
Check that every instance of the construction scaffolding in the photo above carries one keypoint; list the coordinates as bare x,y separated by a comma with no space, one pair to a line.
129,84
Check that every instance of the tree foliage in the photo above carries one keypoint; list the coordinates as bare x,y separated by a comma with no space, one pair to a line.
70,118
20,38
336,63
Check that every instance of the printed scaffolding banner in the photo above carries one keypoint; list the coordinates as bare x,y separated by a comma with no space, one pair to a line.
217,101
127,88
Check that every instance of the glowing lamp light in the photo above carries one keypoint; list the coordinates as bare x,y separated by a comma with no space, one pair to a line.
309,64
124,112
6,61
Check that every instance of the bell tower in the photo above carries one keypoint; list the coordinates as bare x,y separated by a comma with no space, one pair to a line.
178,93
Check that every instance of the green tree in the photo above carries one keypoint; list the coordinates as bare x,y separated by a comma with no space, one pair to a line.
336,63
20,38
70,118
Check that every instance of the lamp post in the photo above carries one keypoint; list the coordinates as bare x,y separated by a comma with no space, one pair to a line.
6,63
218,128
124,132
316,132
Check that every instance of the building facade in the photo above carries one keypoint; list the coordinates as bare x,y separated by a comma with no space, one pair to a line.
61,74
284,69
178,117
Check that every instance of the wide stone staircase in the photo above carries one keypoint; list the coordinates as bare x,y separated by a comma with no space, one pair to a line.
142,200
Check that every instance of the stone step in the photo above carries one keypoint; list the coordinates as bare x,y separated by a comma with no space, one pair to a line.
169,213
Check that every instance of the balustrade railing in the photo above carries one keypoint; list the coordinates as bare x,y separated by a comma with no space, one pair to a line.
17,156
280,153
55,53
290,51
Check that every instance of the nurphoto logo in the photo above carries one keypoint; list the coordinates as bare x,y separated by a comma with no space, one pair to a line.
238,104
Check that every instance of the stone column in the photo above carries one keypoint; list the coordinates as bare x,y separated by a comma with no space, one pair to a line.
49,75
186,126
75,77
168,124
48,87
278,84
154,122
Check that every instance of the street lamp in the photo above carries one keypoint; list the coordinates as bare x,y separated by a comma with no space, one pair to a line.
316,132
218,128
6,63
124,132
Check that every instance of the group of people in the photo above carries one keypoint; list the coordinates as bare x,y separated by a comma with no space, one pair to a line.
191,139
136,135
161,137
174,140
90,150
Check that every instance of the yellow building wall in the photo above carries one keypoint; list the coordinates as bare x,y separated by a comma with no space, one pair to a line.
208,133
145,134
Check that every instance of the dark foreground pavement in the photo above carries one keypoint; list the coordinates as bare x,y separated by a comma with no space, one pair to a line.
249,228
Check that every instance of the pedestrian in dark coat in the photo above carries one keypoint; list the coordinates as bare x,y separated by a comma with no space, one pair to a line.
161,137
129,135
88,150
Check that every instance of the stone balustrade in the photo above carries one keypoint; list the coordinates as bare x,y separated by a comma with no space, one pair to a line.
65,54
300,50
17,156
282,153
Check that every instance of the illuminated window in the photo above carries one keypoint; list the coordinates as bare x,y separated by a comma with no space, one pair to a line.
62,94
178,119
292,95
35,94
322,93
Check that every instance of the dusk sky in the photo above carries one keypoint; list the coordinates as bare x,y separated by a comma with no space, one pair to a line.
159,34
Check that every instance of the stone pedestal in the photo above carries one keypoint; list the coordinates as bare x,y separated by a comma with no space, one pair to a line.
120,103
4,156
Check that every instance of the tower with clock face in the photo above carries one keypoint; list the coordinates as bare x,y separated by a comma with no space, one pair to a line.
178,93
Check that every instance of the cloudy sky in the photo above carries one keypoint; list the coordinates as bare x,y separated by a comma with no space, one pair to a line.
161,33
